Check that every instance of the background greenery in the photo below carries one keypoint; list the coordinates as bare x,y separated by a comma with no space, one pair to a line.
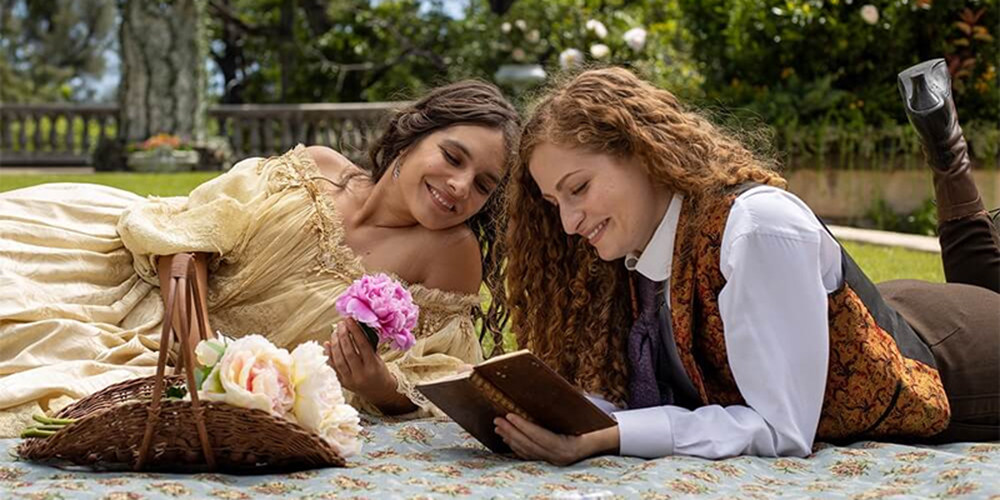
786,62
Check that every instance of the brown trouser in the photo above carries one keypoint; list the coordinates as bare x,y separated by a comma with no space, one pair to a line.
960,321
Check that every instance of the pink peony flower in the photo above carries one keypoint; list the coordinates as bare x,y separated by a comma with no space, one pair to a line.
385,306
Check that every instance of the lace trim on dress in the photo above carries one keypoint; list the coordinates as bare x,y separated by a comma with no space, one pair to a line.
297,169
407,388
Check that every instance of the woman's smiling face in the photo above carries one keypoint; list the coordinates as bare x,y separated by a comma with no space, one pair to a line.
611,202
448,176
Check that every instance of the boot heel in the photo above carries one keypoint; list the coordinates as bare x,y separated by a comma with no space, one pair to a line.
930,108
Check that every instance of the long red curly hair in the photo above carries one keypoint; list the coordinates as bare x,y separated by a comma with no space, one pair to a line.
567,305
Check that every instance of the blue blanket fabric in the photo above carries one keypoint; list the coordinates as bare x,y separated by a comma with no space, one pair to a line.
436,459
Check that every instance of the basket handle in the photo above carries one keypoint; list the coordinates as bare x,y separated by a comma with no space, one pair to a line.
182,297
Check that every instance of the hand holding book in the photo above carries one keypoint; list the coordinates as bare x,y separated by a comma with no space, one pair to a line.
517,383
532,442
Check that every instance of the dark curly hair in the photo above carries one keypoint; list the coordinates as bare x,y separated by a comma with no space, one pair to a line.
468,102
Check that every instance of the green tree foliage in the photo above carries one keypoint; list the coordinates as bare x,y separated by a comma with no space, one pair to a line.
801,66
350,50
327,51
49,46
541,31
806,61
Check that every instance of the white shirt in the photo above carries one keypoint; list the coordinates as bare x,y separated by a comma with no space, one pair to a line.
779,265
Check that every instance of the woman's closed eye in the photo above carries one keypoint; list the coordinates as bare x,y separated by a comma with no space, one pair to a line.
580,189
450,158
483,188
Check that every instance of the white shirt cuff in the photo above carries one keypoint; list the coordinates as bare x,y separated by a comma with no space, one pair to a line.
603,404
645,433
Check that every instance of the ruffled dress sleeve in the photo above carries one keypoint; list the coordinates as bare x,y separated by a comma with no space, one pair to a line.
214,218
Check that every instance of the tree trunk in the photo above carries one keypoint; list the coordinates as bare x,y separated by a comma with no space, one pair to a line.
163,54
231,60
286,42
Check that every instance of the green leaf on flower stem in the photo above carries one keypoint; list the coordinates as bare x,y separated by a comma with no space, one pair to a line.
200,374
176,392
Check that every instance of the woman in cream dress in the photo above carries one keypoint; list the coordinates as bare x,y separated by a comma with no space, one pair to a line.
80,304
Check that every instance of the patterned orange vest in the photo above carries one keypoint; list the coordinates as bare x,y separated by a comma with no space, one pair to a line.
881,381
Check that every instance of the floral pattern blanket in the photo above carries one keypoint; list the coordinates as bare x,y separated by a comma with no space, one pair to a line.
436,459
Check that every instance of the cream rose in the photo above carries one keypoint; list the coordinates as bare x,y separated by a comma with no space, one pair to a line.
253,373
340,427
209,351
319,400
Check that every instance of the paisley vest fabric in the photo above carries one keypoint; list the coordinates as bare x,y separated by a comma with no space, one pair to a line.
881,381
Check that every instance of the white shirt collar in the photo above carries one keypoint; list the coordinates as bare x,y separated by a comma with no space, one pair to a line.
656,260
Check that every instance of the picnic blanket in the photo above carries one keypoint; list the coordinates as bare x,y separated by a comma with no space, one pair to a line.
435,458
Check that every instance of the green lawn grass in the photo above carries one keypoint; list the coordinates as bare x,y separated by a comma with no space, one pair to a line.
882,263
144,184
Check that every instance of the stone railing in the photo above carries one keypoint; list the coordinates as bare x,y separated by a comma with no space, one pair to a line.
65,134
263,129
53,134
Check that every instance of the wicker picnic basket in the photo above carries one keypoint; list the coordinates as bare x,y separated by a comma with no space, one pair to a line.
131,426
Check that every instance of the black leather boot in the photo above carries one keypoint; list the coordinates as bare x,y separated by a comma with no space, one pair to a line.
927,98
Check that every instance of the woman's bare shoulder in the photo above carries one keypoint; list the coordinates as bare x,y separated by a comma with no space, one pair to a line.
456,265
331,163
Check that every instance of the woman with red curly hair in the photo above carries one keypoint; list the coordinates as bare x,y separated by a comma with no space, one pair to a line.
658,264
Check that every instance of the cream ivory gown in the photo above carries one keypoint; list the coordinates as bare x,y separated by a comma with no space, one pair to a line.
80,305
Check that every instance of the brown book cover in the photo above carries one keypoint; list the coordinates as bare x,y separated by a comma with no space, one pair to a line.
517,383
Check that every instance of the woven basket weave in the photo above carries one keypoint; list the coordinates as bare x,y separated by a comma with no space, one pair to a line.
130,426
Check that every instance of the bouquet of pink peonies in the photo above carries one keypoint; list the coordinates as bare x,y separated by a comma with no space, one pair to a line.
383,308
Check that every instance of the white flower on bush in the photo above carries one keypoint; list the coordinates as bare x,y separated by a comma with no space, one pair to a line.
598,28
252,373
570,58
869,13
505,28
635,38
533,36
599,51
521,25
319,400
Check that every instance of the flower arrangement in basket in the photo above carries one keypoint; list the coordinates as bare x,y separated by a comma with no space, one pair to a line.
246,406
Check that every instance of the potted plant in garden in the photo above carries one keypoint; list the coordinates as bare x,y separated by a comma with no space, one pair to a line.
162,153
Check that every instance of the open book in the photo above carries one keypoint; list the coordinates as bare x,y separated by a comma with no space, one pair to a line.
518,383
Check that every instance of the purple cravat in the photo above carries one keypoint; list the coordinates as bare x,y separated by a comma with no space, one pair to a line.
643,346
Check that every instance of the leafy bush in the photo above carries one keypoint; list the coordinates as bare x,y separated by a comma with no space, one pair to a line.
796,61
922,221
601,32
